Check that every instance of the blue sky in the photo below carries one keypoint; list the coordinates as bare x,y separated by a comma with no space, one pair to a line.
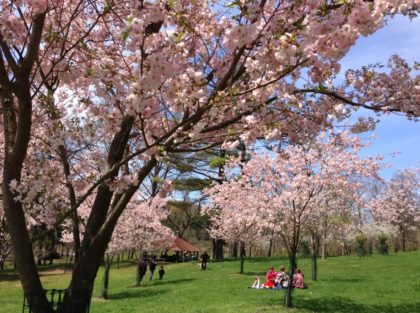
394,133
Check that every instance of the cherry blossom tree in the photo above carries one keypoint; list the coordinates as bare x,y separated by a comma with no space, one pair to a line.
138,228
94,93
286,193
398,204
234,222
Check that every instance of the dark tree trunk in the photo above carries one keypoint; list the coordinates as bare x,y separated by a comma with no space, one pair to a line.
1,265
138,274
105,282
324,243
403,241
270,248
218,249
314,267
17,136
288,303
315,248
235,250
242,257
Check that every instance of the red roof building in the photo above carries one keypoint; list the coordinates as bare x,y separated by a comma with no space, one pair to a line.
183,246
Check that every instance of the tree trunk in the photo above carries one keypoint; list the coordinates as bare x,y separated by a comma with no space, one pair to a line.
403,241
138,274
314,264
314,267
270,248
288,303
105,282
17,131
62,151
218,249
324,244
242,257
235,250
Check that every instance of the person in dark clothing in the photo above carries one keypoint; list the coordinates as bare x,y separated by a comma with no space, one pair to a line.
204,259
142,270
152,267
161,272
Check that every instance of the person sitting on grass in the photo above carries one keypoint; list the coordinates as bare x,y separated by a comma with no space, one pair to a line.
298,281
270,278
282,279
256,284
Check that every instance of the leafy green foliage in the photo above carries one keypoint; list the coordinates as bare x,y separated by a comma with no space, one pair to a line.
191,184
382,246
217,162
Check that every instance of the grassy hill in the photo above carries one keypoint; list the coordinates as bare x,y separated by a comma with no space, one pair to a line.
377,284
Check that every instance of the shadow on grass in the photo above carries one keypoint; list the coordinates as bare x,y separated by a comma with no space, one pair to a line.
8,275
156,282
344,280
172,282
261,274
346,305
137,293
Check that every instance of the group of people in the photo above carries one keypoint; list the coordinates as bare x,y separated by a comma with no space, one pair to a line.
279,280
152,267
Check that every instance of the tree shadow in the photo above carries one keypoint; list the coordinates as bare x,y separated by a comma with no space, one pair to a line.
172,282
148,284
261,274
346,305
266,259
345,280
8,275
136,293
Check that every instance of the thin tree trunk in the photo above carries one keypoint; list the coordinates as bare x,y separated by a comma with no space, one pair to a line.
218,249
288,303
403,241
242,257
270,248
314,267
314,264
235,250
324,243
105,282
72,197
138,274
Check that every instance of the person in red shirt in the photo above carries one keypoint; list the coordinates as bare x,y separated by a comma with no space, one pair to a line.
270,277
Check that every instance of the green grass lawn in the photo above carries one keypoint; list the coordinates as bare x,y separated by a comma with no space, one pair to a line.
377,284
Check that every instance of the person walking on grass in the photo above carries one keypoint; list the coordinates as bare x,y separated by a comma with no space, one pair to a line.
204,259
142,269
152,267
161,272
